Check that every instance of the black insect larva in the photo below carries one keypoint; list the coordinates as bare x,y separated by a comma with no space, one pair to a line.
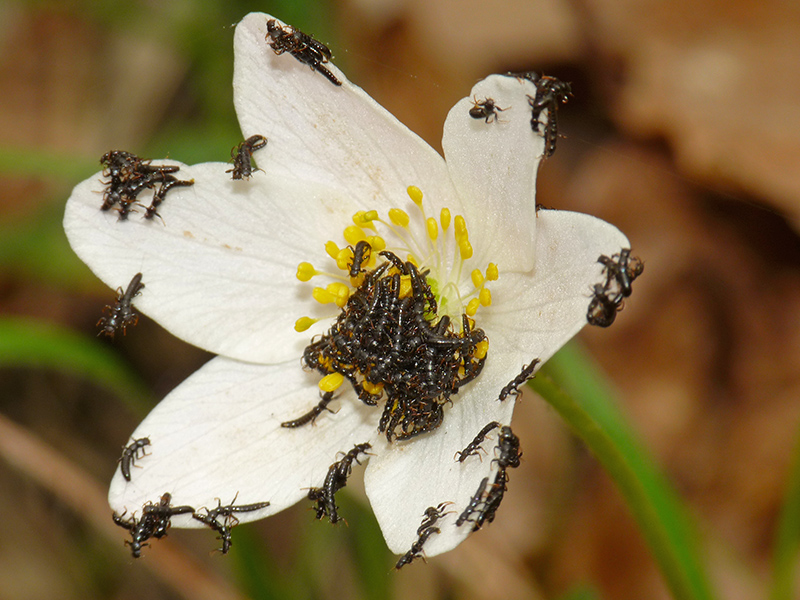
121,314
311,415
508,447
416,547
472,447
485,109
513,386
335,480
242,156
602,309
221,519
474,502
621,269
161,193
550,92
302,46
361,254
131,453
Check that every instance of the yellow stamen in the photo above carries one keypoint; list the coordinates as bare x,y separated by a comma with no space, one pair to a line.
323,296
340,291
445,218
485,296
354,234
331,382
491,272
372,388
460,225
398,217
332,249
415,194
433,228
477,279
481,348
305,271
344,259
465,248
303,323
472,307
405,286
378,244
413,260
365,218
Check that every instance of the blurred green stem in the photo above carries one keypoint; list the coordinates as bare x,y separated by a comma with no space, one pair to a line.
572,385
787,539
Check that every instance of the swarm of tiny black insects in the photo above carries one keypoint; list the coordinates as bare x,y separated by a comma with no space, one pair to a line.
128,176
394,342
607,298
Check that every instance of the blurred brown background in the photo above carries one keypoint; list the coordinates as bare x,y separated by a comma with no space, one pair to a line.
684,131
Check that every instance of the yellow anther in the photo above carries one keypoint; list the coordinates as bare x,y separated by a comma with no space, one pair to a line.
465,248
485,296
354,234
331,382
433,228
303,323
364,218
323,296
305,271
332,249
445,218
372,388
405,286
377,243
491,272
460,225
415,194
340,292
477,279
344,259
481,348
398,217
472,307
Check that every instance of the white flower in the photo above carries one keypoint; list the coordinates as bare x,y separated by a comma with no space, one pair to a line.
220,272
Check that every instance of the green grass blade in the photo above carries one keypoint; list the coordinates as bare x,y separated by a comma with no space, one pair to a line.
573,386
28,343
787,540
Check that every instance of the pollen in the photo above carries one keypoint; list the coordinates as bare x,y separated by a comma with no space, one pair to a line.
492,273
399,217
415,194
332,249
485,297
444,218
303,323
433,228
354,234
331,382
305,271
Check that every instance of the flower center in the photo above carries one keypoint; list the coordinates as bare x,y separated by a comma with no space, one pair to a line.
406,330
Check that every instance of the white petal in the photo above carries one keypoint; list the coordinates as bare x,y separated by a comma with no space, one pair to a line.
336,136
493,166
218,436
533,314
405,478
220,269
